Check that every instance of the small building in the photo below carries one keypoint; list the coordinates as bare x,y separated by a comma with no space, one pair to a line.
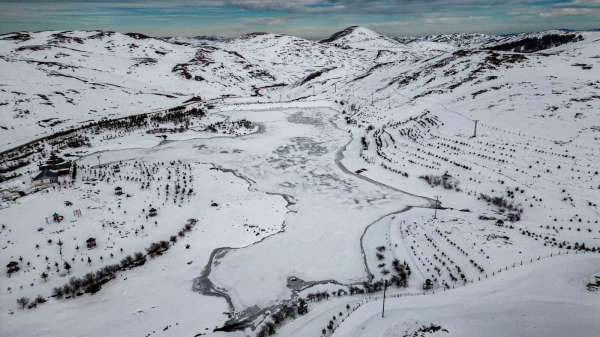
12,267
10,194
45,177
90,243
152,212
118,190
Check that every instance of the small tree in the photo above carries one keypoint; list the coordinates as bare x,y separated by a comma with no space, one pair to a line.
58,292
74,171
23,301
302,307
427,285
44,276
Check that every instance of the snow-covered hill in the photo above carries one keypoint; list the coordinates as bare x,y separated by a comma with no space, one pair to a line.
361,38
55,80
231,185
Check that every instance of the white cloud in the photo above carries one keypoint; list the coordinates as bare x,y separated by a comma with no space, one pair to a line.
569,11
453,19
274,4
266,21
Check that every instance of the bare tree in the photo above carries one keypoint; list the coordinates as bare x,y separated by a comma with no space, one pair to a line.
23,301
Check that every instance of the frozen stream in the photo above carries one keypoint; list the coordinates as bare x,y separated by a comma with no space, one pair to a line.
300,155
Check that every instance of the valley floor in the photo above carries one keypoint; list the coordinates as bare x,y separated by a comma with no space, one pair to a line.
298,159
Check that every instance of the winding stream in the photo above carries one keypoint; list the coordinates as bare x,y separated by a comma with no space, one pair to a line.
203,284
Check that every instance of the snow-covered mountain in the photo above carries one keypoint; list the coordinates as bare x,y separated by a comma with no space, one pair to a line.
466,40
361,38
90,75
274,184
53,80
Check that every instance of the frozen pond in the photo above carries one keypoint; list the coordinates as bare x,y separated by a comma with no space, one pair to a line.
297,154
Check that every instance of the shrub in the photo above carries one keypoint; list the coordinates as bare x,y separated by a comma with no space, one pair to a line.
23,301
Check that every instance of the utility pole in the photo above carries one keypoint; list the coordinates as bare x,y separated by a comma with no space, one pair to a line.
437,202
60,244
385,285
98,156
475,129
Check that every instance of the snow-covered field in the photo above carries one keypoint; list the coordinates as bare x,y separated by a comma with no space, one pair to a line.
272,184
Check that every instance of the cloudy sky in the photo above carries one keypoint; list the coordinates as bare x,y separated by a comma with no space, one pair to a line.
307,18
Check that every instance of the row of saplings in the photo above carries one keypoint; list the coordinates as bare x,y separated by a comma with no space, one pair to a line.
399,279
92,282
331,325
285,311
552,240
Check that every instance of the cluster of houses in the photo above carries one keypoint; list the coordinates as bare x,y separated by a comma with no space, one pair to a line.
53,171
90,243
10,194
